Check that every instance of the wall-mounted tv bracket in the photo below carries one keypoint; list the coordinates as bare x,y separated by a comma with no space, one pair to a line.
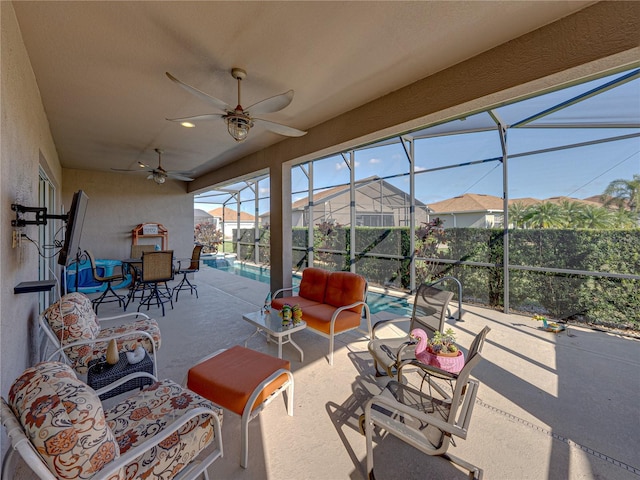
41,216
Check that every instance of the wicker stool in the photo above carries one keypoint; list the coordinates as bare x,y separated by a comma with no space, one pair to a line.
97,379
243,381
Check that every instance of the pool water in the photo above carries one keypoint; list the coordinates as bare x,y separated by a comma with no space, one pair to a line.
377,302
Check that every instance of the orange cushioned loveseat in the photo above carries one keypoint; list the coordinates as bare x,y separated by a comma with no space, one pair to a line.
331,302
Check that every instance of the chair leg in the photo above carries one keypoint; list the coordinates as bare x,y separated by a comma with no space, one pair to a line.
109,292
182,286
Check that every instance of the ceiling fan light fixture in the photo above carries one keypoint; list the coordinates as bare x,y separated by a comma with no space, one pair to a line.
158,178
238,126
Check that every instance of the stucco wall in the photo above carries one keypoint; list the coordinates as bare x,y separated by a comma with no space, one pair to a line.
119,202
26,140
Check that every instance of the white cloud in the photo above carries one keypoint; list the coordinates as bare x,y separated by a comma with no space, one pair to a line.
343,165
374,161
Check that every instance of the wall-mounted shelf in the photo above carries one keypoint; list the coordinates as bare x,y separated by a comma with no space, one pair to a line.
37,286
150,230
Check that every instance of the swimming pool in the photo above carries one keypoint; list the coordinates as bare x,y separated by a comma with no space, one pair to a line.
378,302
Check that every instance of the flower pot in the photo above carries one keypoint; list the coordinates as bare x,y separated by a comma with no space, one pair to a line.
449,362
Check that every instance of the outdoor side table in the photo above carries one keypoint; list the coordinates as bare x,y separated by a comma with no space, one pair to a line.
270,325
98,379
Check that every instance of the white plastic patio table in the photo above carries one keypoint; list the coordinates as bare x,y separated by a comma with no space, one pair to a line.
270,325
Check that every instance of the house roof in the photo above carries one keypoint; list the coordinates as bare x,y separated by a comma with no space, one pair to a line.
475,202
469,202
199,213
370,186
231,214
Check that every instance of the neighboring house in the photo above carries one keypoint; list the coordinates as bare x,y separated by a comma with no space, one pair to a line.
200,217
486,211
227,220
469,210
378,204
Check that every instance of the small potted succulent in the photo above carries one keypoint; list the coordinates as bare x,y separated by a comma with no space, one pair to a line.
443,344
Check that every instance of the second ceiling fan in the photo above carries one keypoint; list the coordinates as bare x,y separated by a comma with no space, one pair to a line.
158,174
240,120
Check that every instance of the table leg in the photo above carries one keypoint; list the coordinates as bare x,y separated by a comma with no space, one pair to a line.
251,336
297,347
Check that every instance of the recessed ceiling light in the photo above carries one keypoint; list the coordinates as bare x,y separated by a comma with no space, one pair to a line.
187,124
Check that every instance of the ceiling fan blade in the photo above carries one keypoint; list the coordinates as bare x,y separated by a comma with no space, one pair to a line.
179,176
279,128
197,118
271,104
131,170
204,96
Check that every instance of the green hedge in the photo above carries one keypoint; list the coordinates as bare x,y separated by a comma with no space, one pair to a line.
605,301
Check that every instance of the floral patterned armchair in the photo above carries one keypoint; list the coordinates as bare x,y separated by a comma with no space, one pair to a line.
59,427
75,330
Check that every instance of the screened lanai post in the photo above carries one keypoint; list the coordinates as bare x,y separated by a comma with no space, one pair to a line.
310,236
505,208
256,222
412,207
351,161
280,227
238,238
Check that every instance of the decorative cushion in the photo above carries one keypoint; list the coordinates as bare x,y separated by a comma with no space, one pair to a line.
345,288
304,303
314,284
318,317
230,377
64,420
72,318
150,411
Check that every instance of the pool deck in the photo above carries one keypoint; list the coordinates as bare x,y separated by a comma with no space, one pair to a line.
550,406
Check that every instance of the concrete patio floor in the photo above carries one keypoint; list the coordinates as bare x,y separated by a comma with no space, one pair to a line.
550,406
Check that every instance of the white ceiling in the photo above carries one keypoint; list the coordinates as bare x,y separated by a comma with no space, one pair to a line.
100,66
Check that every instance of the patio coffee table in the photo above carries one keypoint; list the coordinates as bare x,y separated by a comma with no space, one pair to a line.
270,325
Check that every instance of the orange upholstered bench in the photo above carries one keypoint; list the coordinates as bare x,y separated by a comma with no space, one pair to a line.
243,381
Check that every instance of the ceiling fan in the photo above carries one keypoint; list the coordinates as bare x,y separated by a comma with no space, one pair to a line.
240,120
158,174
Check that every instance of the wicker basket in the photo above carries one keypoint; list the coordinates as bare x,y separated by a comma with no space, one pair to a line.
97,378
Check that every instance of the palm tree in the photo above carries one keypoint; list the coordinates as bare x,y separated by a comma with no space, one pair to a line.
572,213
545,215
596,217
517,213
624,194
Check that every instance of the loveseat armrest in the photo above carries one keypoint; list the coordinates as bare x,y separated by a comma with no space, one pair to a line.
277,292
367,314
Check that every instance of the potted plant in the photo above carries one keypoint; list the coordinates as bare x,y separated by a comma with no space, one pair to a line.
443,344
440,350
